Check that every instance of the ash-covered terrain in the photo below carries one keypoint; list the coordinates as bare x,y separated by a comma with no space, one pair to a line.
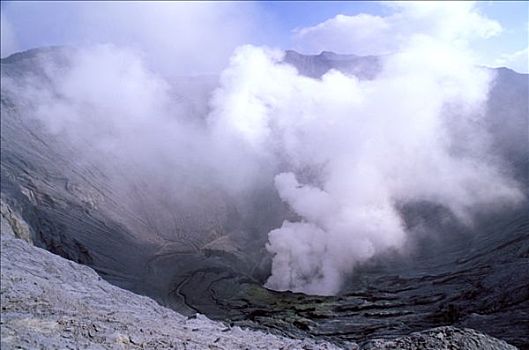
52,303
148,218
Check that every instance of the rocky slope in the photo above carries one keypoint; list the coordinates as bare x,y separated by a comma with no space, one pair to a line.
51,303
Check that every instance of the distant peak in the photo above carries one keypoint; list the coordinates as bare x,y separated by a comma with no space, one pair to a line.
34,52
328,54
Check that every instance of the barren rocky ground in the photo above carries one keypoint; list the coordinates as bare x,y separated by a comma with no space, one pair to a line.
49,302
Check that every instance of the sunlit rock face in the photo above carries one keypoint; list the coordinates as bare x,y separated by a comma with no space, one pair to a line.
156,221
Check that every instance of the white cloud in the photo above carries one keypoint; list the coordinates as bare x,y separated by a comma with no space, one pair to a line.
179,37
176,38
341,33
450,22
519,60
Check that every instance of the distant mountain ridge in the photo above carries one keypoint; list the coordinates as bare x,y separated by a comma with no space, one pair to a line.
314,66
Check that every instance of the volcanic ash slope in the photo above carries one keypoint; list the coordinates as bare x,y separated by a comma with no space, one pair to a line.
52,303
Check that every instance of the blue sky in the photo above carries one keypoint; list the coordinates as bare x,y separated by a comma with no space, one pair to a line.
32,24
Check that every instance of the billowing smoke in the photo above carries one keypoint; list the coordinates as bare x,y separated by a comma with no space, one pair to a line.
341,152
175,38
146,135
348,151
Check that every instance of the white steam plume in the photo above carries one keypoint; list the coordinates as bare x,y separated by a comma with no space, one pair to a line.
158,160
349,150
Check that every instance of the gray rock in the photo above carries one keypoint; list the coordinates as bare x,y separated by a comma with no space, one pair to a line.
52,303
441,338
